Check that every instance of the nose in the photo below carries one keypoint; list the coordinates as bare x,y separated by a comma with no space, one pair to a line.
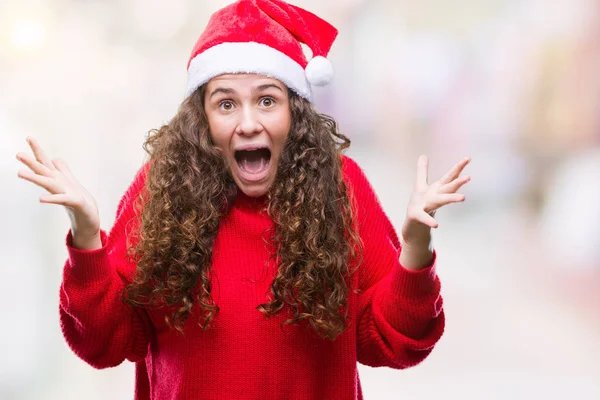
249,123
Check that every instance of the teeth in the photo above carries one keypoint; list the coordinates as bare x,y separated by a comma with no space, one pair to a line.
253,163
245,163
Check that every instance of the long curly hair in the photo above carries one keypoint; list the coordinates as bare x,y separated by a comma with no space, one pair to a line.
189,189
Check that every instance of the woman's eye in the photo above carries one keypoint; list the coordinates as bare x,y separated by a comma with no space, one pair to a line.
226,105
268,102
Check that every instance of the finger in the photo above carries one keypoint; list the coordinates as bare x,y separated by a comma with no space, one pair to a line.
62,166
456,184
443,199
34,165
422,167
49,184
62,199
455,171
40,155
426,219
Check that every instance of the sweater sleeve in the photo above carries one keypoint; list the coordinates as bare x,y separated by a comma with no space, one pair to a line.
97,325
399,312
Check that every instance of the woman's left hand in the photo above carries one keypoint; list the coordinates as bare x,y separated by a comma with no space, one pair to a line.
426,199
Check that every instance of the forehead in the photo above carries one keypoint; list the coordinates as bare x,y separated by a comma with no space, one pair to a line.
243,80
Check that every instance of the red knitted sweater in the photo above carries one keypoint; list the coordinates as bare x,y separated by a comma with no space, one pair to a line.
396,320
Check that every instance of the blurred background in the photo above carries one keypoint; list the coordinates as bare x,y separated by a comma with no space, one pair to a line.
515,84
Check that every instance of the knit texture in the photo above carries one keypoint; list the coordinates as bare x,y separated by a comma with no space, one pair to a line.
396,319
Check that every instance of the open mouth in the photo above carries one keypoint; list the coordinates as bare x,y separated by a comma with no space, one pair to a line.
253,162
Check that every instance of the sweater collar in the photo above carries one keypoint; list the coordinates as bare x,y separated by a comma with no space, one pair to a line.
252,202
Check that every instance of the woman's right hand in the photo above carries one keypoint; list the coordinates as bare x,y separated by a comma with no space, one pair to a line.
56,177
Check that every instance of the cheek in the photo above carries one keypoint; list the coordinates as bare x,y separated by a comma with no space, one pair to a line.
281,129
219,133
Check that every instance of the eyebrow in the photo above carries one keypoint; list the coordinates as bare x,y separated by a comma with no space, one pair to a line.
221,90
259,88
266,86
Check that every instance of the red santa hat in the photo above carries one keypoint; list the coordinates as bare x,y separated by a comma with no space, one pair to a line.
263,37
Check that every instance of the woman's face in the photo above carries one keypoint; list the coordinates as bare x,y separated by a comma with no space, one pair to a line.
249,120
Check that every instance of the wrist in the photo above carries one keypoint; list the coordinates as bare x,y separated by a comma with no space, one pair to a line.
415,235
415,259
86,241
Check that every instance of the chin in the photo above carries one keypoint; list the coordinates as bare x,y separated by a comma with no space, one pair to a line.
253,190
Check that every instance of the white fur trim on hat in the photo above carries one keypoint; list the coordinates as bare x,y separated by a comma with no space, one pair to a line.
247,57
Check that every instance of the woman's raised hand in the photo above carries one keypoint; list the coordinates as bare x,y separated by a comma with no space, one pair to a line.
56,177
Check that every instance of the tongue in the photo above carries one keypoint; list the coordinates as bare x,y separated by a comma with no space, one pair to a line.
253,161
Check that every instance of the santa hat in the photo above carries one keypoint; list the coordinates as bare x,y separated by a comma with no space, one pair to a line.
263,37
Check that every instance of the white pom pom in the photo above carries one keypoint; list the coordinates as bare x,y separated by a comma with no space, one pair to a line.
319,71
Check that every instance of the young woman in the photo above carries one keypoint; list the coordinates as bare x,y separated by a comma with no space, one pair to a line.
249,258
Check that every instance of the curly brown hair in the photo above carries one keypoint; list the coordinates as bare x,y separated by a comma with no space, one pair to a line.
189,188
